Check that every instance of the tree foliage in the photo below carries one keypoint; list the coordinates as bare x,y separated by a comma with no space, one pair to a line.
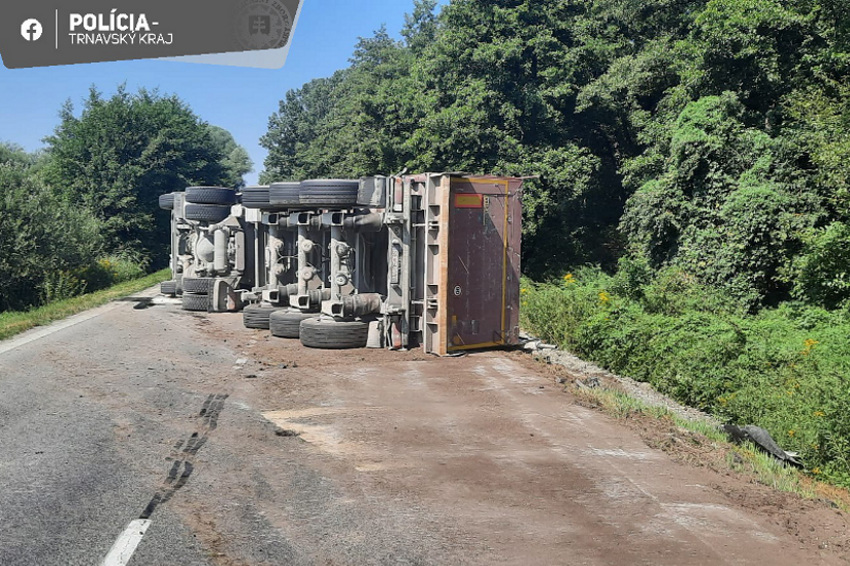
44,241
712,136
234,158
122,152
84,214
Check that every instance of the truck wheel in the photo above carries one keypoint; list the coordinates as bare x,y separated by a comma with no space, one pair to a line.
256,197
213,213
211,195
168,288
287,323
195,302
333,334
285,194
329,193
197,285
166,202
257,316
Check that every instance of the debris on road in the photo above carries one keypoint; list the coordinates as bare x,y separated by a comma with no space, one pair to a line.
761,438
590,383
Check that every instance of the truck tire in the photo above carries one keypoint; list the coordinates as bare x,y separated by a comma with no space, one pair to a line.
195,302
213,213
286,323
256,197
168,288
334,193
166,201
285,194
332,334
211,195
257,316
197,285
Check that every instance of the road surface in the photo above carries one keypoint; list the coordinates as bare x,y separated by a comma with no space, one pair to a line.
153,436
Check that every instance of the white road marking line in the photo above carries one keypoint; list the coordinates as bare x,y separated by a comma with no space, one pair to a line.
123,549
44,331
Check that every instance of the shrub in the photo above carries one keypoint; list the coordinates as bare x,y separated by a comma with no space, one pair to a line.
60,285
114,269
44,242
724,209
823,269
784,369
123,266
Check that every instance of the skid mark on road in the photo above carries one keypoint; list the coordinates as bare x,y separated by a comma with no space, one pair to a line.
183,466
182,458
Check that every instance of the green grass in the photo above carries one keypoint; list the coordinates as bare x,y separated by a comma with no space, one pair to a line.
12,323
786,369
745,459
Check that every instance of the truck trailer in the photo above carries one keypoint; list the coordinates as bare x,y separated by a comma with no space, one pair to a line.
430,260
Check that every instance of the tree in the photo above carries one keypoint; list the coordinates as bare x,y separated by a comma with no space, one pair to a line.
709,135
294,130
420,26
236,161
121,153
42,239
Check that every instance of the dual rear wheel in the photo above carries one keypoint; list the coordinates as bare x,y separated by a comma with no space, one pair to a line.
314,331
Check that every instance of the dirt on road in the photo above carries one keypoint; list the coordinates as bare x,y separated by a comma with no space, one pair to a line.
480,459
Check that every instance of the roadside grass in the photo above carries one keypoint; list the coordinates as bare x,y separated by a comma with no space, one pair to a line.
701,437
12,323
785,369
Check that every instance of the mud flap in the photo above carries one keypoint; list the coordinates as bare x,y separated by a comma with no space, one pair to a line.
224,297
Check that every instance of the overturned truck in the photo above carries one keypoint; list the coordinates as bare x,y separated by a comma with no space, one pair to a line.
429,260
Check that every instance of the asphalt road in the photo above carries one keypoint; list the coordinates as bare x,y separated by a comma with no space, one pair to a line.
83,446
97,424
225,447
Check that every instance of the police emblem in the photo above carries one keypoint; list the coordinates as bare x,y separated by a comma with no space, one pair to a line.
263,24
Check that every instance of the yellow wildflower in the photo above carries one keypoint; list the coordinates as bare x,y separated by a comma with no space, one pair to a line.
604,297
808,345
819,413
792,432
569,278
816,471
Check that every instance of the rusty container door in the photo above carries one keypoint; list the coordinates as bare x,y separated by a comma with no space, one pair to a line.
482,291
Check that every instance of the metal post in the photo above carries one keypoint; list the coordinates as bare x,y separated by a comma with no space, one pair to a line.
337,277
305,245
275,244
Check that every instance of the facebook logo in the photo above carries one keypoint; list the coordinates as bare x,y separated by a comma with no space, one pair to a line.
31,29
260,25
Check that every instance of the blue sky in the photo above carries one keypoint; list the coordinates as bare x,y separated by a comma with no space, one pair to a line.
235,98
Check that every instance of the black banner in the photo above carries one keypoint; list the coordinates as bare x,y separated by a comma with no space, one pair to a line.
40,33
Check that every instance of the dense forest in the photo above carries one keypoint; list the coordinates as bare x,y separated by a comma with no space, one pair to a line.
83,213
709,135
690,225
